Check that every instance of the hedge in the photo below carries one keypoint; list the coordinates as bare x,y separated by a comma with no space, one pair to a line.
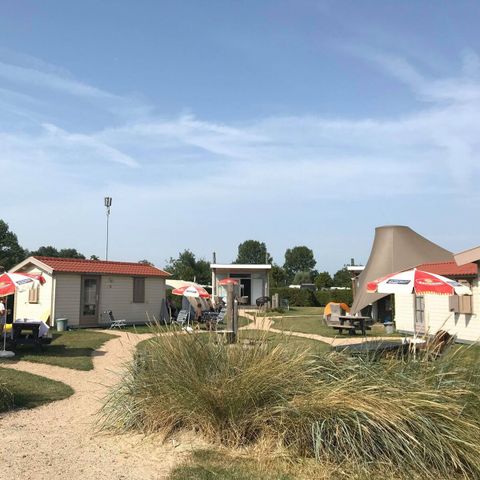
298,297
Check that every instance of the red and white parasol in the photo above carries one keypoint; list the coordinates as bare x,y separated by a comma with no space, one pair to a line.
418,282
11,283
228,281
191,291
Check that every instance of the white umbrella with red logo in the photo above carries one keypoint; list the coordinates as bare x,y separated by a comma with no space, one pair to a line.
418,282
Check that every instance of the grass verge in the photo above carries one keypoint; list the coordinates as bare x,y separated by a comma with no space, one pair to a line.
72,349
317,326
25,390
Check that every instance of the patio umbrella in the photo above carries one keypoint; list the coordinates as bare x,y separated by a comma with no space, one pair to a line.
11,283
418,282
191,291
228,281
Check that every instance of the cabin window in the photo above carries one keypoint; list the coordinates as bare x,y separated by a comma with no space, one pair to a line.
461,303
138,290
33,295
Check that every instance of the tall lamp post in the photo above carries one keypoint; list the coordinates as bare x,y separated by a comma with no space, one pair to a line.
108,204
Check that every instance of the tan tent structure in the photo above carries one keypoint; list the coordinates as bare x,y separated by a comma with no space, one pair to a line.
395,248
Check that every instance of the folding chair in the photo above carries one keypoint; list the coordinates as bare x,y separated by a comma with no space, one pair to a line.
113,322
182,318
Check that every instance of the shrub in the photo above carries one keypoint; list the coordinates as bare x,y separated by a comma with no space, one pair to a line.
297,297
420,417
6,398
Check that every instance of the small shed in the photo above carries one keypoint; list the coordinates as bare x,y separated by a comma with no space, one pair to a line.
83,290
253,279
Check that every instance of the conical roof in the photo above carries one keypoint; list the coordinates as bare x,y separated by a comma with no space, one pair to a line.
395,248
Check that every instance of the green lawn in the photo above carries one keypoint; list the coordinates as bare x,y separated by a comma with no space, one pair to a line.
293,311
71,349
244,336
30,390
149,329
317,326
315,346
212,465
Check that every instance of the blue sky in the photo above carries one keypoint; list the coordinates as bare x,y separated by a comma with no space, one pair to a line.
209,123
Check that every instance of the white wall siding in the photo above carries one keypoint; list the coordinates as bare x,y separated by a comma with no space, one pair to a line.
404,312
116,294
438,316
24,309
67,297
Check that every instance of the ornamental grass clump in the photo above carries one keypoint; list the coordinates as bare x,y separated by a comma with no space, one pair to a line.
6,398
419,416
191,381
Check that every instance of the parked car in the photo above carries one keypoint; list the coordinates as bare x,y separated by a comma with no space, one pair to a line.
261,301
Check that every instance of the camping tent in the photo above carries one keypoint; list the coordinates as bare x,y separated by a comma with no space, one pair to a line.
395,248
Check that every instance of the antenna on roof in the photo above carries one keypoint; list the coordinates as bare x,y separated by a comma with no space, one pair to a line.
108,204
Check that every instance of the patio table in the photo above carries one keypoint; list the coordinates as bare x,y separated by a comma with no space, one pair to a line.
360,323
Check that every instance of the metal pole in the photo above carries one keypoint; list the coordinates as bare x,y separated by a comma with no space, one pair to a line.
106,244
108,204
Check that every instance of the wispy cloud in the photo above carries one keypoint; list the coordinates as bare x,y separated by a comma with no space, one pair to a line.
157,165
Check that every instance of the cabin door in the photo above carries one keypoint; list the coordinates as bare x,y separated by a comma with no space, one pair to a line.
89,300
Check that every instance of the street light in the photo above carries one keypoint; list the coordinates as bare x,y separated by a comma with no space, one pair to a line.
108,204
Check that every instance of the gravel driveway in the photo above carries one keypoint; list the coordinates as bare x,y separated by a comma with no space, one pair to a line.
58,440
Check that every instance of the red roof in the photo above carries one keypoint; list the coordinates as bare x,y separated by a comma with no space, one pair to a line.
76,265
450,269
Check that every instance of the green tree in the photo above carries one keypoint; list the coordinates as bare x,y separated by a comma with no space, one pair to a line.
253,252
11,252
299,259
301,278
49,251
278,277
187,267
323,280
342,278
146,262
94,257
70,253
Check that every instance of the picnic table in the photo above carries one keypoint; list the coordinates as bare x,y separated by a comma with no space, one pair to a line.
29,332
352,323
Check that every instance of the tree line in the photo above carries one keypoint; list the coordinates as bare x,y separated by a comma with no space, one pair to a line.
298,267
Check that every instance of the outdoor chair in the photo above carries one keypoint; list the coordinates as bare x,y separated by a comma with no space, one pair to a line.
113,322
182,318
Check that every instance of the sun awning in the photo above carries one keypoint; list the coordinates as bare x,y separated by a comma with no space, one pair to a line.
395,248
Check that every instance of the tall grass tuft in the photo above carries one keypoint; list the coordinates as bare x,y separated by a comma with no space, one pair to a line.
421,416
6,398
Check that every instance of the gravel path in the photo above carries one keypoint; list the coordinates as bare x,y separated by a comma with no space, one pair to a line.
58,440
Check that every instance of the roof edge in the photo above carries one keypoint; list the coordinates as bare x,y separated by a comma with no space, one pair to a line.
467,256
